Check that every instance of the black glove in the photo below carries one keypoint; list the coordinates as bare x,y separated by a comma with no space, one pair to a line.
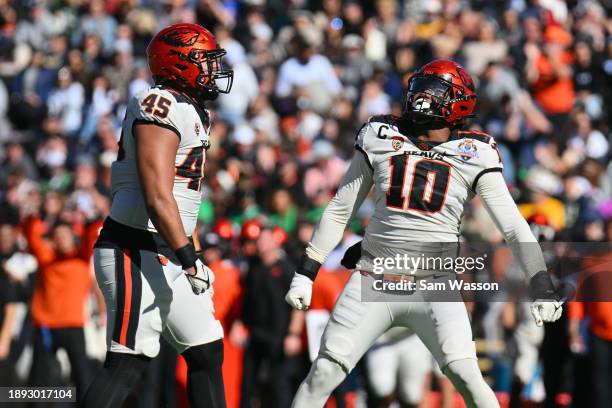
541,286
351,256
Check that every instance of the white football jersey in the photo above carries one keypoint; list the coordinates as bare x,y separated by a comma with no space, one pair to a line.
420,189
169,109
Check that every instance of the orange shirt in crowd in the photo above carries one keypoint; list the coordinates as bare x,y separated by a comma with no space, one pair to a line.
325,292
594,284
600,314
555,95
228,292
63,283
326,289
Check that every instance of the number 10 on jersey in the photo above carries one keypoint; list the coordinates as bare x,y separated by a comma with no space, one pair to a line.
428,183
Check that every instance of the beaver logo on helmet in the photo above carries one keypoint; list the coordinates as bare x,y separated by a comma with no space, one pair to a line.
180,38
465,77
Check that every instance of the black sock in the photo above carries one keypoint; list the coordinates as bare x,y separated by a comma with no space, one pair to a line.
114,383
204,377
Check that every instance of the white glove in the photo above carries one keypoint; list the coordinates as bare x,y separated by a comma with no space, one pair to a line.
300,292
546,311
202,280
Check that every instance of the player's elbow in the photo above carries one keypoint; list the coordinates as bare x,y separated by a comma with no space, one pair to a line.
520,234
157,203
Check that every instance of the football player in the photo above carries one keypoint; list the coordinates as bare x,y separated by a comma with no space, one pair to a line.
424,171
145,263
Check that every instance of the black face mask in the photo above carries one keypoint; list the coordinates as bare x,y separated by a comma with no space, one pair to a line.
426,99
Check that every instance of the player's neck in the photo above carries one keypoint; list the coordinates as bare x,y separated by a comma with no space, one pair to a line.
435,135
424,132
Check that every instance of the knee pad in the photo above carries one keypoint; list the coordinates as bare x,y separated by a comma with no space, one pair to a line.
204,356
467,379
325,375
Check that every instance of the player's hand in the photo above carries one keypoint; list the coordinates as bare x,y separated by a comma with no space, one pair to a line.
300,292
546,311
201,277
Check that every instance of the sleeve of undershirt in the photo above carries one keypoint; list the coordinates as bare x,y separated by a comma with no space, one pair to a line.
353,190
498,202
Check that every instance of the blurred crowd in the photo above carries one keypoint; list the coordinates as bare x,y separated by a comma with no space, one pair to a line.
307,74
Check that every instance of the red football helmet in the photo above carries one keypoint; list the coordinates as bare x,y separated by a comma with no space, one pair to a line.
188,57
251,230
224,229
441,91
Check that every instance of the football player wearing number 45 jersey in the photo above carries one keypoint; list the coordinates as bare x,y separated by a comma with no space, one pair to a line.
145,263
424,170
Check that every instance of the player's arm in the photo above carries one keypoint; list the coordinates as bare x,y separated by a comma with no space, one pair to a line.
353,190
328,232
156,149
34,233
492,189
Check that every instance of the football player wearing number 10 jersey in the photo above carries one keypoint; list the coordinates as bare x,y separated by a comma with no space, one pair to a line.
145,262
424,171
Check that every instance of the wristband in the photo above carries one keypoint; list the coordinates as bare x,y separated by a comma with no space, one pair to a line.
308,267
541,286
186,256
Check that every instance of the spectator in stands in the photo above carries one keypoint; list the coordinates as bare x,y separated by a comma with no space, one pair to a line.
486,50
8,299
97,22
66,102
63,286
267,316
228,304
308,75
233,106
326,172
549,72
595,304
31,90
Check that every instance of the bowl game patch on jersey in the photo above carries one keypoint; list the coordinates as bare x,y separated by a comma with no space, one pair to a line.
467,149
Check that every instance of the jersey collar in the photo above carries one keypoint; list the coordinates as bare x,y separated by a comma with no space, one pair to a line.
405,129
